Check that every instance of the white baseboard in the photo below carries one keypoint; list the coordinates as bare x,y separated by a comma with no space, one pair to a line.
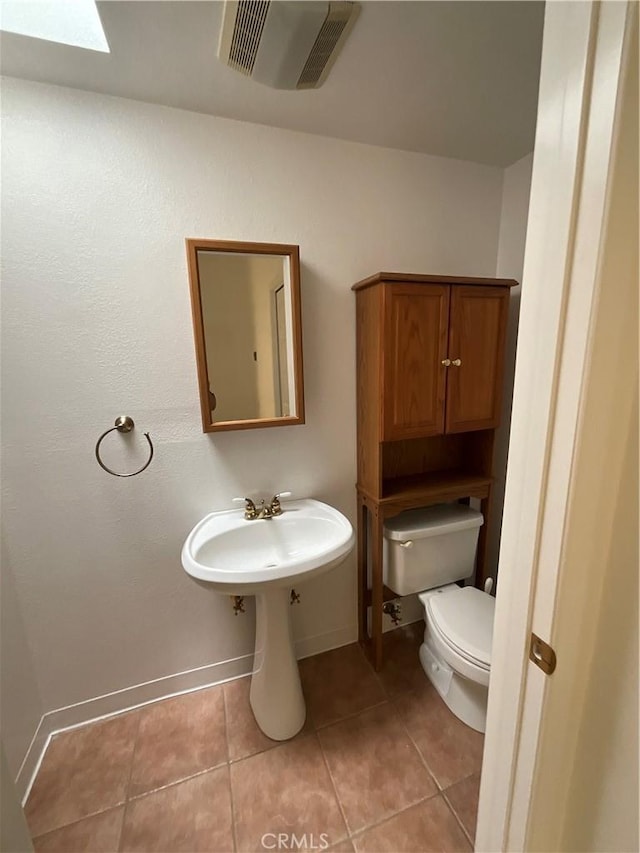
309,646
138,695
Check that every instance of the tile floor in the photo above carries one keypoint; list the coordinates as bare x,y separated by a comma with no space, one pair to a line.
381,765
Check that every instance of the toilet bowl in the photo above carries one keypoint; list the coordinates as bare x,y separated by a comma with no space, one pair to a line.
428,551
456,652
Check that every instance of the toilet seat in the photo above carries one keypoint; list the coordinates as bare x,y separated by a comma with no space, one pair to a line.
460,621
464,616
464,667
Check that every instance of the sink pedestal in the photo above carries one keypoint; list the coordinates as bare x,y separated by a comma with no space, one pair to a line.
276,693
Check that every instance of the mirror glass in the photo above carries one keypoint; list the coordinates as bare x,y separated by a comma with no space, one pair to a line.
246,314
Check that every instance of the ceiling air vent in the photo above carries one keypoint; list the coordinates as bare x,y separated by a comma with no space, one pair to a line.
286,44
246,34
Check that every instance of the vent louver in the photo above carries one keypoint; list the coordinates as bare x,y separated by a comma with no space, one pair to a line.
325,44
247,32
285,44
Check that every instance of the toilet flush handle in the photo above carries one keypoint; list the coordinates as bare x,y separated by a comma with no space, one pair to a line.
407,544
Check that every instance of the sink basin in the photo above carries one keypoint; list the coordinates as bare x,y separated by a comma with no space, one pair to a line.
266,558
240,557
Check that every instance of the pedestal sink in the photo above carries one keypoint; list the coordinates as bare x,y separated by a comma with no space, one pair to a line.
266,558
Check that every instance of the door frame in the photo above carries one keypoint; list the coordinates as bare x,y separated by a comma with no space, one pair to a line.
583,59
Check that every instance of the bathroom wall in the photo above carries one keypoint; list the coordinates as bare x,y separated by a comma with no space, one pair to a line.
20,703
513,232
99,194
14,832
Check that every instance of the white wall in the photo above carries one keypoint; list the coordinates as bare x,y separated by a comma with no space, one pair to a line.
98,196
513,231
20,702
14,832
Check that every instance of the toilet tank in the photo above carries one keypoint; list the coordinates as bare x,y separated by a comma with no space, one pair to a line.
425,548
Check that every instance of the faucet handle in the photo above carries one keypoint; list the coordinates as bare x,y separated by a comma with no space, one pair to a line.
249,507
276,509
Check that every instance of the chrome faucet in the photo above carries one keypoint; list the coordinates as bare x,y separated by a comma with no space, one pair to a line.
265,510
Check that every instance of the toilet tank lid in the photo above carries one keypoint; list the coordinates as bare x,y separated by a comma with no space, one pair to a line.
432,521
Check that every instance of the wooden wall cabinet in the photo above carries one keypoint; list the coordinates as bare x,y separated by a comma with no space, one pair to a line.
430,358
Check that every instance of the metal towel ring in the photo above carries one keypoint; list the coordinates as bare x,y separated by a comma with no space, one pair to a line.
123,424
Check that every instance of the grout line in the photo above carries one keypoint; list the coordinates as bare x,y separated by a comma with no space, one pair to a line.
389,817
120,834
335,789
128,785
78,820
224,718
301,734
349,716
234,840
261,751
111,808
454,810
417,748
458,819
175,782
231,802
276,745
416,802
133,756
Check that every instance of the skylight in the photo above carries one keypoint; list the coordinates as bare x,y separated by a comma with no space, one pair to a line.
73,22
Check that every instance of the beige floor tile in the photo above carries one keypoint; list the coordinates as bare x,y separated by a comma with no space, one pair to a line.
84,771
345,846
194,815
376,769
463,799
450,748
368,728
285,790
97,834
402,669
339,683
427,827
178,738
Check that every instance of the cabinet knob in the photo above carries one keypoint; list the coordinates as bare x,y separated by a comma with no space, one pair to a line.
456,362
446,362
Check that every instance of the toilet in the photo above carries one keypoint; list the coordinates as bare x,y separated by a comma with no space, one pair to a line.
426,551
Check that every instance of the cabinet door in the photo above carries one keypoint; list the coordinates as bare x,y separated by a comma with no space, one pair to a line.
414,346
478,322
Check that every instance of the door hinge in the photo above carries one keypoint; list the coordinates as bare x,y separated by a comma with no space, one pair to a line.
542,654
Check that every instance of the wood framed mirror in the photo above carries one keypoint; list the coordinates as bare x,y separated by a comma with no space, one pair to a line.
245,300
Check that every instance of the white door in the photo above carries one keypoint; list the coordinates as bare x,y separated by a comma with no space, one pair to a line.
568,560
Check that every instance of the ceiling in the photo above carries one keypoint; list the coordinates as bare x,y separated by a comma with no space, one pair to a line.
456,79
